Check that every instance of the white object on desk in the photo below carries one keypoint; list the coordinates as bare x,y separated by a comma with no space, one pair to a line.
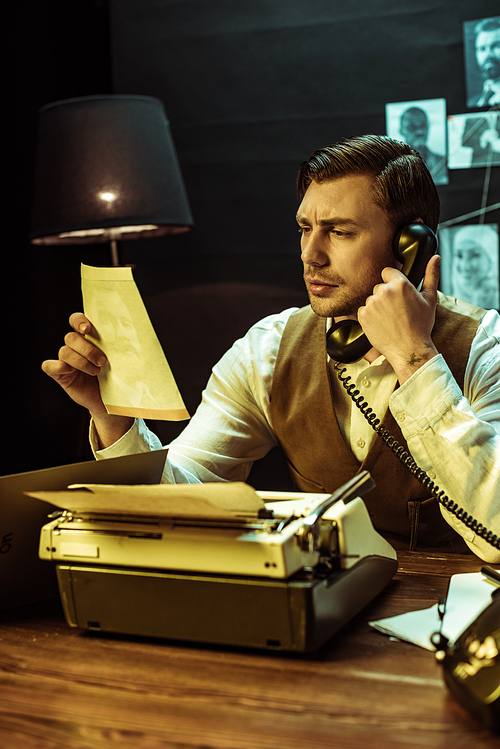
468,595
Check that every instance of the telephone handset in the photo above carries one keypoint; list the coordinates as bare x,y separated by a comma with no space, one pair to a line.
413,246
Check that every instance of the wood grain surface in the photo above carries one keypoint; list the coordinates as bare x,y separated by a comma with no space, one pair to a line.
61,688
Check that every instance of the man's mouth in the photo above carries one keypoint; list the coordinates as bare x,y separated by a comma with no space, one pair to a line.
319,286
491,68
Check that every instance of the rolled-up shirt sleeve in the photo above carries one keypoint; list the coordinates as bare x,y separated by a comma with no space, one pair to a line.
455,437
231,427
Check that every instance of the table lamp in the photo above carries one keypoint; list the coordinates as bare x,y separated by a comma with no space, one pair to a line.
106,169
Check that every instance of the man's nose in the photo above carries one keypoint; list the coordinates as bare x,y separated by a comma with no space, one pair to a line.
313,251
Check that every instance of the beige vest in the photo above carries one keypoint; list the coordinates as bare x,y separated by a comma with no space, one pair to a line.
319,460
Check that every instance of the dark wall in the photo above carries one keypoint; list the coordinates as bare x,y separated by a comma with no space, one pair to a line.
251,89
54,50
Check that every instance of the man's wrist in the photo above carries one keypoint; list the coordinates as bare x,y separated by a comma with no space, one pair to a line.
109,428
407,365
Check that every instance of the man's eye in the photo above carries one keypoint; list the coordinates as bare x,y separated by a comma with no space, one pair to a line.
304,229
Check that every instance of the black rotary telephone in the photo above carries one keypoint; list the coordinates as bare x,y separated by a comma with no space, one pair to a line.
413,246
471,665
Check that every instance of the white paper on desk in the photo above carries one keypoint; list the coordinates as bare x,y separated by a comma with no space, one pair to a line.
468,594
136,380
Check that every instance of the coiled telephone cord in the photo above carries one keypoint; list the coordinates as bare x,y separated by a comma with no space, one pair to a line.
407,460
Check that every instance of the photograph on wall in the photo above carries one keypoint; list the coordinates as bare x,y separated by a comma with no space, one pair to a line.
421,124
469,264
482,61
473,140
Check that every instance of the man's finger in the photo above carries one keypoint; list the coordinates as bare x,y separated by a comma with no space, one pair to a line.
56,368
431,277
389,274
80,323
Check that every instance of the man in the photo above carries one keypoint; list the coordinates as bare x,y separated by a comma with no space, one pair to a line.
414,129
277,386
487,47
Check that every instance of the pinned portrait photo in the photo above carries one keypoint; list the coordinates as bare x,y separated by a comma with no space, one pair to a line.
469,264
482,61
474,140
422,124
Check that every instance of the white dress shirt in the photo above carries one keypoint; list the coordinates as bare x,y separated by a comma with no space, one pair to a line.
454,437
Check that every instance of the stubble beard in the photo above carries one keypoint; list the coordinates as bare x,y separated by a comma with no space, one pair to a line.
346,303
491,70
344,306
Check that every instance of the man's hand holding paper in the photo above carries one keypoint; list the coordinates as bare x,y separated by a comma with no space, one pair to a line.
112,362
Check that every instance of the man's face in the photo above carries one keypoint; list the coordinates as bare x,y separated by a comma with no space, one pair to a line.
414,129
346,241
488,53
116,329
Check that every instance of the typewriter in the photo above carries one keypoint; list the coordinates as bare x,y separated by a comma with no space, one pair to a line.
216,563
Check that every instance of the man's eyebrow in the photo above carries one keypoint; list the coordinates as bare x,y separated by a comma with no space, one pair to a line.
334,221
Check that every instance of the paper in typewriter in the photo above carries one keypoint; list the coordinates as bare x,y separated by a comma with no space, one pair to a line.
136,380
212,501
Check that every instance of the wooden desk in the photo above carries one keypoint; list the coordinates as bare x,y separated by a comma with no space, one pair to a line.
64,689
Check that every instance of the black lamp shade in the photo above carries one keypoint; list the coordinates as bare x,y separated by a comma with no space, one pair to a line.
106,168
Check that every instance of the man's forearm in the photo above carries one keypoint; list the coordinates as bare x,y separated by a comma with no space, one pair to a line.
456,446
110,428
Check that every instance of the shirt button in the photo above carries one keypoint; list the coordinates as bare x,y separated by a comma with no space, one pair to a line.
431,475
400,416
360,442
365,383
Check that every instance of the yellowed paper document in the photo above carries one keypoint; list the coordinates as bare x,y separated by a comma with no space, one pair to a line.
136,380
212,500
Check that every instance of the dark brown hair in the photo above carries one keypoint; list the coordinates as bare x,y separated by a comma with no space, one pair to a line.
402,184
487,24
